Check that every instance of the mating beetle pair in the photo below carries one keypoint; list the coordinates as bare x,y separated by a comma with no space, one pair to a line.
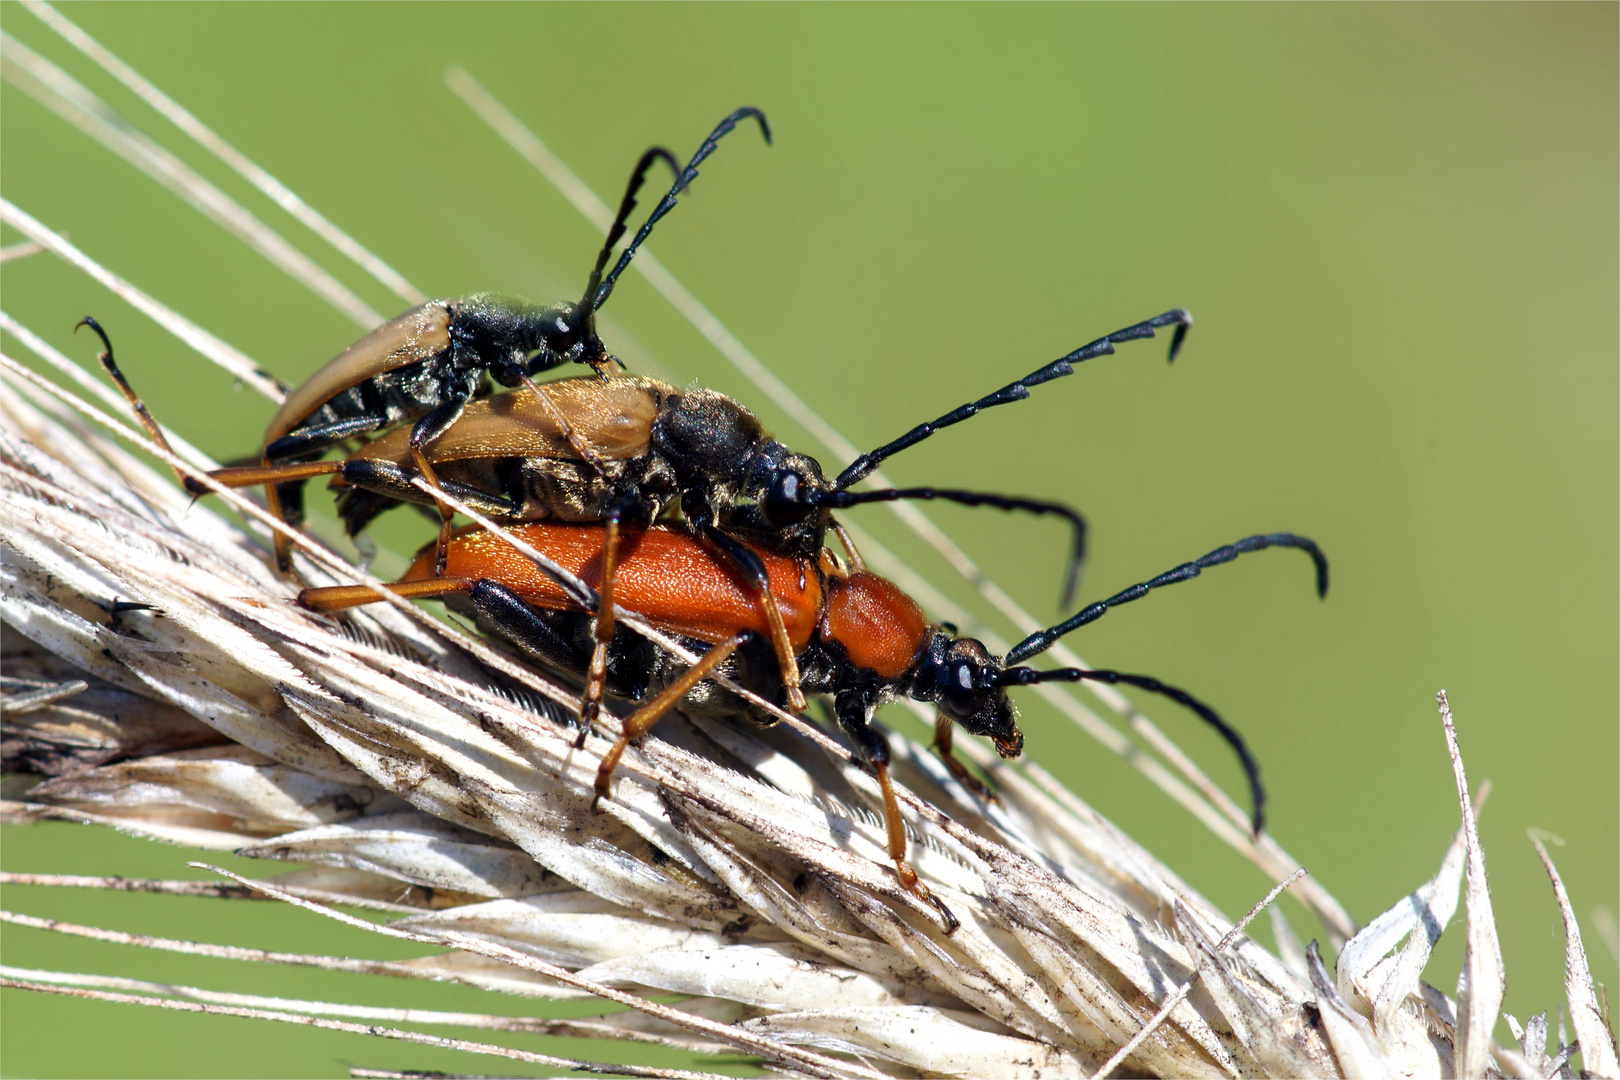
620,450
613,455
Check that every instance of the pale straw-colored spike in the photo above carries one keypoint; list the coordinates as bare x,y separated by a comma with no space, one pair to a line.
805,1061
72,101
521,1025
1181,992
1069,932
1598,1056
877,857
1265,852
238,162
1483,979
21,250
231,359
401,1035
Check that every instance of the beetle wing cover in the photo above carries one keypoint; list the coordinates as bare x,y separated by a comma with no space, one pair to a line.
665,574
415,335
614,416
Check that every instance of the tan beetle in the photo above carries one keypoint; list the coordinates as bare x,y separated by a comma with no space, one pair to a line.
424,366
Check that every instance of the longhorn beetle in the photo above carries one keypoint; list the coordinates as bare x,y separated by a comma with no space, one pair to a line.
858,638
425,365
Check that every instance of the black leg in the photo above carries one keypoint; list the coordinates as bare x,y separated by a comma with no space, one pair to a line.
507,614
316,440
872,749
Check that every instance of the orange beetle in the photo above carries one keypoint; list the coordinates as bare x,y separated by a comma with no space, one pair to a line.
858,638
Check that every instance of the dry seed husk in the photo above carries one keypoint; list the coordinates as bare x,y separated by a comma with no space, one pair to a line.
743,869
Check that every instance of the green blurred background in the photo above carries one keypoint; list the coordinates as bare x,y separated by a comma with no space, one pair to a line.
1396,226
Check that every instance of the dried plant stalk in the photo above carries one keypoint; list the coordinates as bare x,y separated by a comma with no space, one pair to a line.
410,769
741,868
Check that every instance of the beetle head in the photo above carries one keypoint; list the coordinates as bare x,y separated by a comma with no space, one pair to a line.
962,678
783,493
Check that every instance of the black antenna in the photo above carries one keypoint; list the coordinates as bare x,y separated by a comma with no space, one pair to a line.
837,500
1018,391
1023,676
682,181
637,177
1042,640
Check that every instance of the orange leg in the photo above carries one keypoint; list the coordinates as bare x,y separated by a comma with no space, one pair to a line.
641,721
269,475
897,850
576,442
590,705
339,597
253,475
142,413
783,645
248,477
943,730
272,503
446,513
857,565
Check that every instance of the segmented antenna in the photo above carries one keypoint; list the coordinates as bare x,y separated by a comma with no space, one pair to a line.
682,181
1018,391
1022,676
837,500
1042,640
626,206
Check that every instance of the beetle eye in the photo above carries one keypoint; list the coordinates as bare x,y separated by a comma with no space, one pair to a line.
786,502
959,692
